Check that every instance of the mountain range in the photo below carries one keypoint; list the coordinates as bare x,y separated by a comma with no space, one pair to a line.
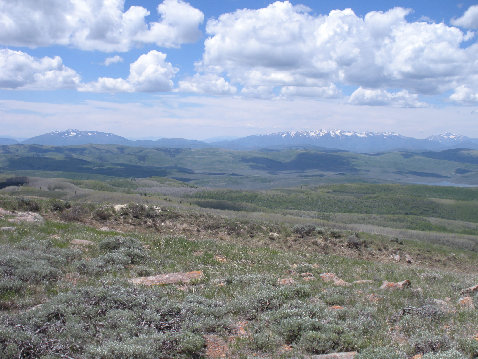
362,142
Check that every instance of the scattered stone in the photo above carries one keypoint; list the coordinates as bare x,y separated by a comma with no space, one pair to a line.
286,281
169,278
119,207
216,347
219,282
332,277
307,276
308,279
395,257
27,217
418,356
408,259
220,259
240,329
396,285
104,229
349,355
374,298
82,243
470,290
274,236
466,303
4,212
7,229
285,349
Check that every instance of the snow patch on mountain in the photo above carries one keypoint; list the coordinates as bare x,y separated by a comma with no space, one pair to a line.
332,133
448,137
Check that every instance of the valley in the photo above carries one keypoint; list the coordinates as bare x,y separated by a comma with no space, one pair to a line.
212,253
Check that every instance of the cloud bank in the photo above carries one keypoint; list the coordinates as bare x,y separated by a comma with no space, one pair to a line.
22,71
149,73
285,46
469,19
279,51
96,25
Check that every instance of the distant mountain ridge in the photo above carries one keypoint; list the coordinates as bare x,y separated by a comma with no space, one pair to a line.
365,142
72,137
351,141
7,141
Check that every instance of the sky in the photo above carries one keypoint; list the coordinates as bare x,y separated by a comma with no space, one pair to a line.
200,69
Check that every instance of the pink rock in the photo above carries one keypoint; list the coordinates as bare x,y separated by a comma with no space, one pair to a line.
466,302
216,347
470,290
396,285
286,281
332,277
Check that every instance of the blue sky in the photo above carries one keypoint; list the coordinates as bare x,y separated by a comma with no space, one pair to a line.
201,69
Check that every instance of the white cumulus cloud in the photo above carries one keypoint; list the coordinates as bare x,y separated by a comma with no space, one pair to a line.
469,19
179,24
102,25
287,47
465,95
112,60
329,91
149,73
379,97
206,84
22,71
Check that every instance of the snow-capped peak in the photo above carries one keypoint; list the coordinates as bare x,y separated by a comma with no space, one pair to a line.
69,133
447,137
335,133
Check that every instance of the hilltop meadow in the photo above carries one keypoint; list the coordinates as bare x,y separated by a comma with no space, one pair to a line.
117,252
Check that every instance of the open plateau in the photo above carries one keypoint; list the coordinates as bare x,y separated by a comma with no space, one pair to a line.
117,250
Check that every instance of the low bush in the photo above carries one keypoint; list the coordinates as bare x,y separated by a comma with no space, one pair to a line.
76,213
381,353
117,253
450,354
109,322
430,343
31,262
30,205
469,346
327,341
139,211
304,230
103,213
57,205
28,265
